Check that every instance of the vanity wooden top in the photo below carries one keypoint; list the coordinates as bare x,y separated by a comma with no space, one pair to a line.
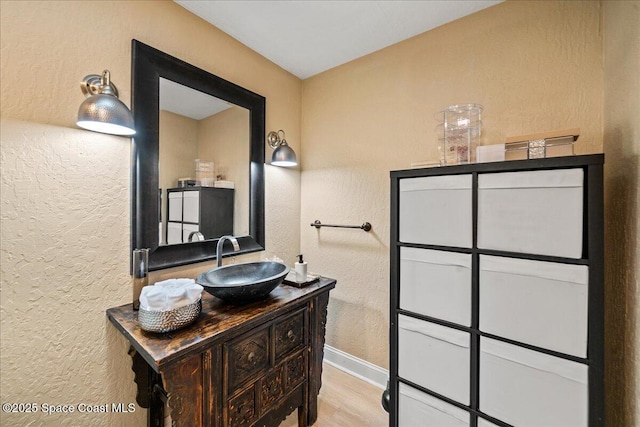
217,319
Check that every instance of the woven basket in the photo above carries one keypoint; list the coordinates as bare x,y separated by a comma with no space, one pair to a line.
169,320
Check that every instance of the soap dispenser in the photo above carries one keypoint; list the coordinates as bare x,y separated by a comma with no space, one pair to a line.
301,269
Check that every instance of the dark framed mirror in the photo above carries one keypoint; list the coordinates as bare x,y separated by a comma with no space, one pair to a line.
152,220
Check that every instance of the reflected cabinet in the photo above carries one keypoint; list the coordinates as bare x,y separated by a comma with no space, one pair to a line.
205,210
497,314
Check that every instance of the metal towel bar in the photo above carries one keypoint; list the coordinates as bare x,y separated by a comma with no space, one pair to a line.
317,224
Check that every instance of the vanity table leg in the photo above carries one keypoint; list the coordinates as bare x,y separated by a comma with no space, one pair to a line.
183,382
318,310
156,407
149,389
142,377
302,416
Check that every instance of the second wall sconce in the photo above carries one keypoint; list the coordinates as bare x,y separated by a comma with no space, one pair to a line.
283,155
102,111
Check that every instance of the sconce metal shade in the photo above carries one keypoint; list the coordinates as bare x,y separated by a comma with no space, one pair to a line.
102,111
283,155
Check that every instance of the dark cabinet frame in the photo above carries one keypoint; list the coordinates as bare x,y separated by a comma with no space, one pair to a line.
215,211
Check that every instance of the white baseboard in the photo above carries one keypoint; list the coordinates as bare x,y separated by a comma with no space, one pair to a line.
357,367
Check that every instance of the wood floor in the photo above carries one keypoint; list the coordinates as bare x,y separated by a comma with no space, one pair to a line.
345,401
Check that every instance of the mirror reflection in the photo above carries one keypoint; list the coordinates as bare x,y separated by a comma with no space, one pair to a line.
204,153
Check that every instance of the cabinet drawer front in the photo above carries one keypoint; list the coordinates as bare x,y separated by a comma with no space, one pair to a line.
289,334
485,423
515,383
539,303
271,388
174,232
417,408
436,210
295,370
247,357
535,212
175,206
242,409
434,357
191,206
436,284
187,229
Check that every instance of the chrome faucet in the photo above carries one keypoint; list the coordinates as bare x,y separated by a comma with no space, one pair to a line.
197,235
234,242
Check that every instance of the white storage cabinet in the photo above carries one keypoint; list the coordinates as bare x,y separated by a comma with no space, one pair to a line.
496,294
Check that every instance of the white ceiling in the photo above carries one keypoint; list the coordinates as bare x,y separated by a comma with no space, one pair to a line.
307,37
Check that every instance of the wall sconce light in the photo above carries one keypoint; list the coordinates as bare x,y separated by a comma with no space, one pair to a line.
283,155
102,111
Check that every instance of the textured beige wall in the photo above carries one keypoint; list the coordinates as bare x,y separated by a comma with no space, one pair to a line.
534,66
64,243
224,138
178,148
621,23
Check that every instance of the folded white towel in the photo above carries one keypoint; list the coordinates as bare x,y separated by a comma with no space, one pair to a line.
224,184
170,294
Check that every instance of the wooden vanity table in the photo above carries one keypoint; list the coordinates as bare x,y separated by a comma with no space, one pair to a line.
237,365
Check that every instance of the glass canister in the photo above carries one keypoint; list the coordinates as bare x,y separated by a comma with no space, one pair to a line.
460,129
205,176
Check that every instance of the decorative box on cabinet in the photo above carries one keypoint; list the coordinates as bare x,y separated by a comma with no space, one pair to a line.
237,365
208,210
497,276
